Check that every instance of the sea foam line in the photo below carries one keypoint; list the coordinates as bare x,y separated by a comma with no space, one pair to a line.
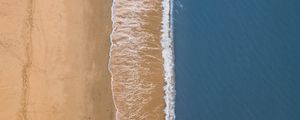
110,56
168,56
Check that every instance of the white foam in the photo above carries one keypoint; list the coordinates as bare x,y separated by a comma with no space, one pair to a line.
110,56
127,43
137,40
168,56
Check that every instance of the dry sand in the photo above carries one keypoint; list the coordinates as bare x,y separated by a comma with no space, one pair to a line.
53,60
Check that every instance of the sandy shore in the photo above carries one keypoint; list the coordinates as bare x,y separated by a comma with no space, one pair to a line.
54,60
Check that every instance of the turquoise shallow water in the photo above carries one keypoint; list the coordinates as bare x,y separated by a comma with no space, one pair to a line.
237,59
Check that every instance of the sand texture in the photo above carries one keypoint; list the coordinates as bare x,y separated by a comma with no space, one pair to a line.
54,60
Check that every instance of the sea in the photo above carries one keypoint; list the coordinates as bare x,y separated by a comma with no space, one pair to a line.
237,59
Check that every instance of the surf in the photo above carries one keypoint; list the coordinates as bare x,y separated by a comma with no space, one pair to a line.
140,50
168,56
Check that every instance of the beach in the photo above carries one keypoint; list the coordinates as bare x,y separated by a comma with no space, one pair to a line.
54,60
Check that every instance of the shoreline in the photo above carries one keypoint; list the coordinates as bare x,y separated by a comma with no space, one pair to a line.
61,71
168,56
136,62
110,57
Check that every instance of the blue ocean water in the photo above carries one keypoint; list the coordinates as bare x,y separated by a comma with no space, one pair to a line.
237,59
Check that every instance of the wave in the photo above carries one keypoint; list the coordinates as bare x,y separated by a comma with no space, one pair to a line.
141,59
168,56
110,53
136,63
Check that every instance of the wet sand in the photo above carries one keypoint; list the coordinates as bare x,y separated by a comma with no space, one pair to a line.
136,60
54,60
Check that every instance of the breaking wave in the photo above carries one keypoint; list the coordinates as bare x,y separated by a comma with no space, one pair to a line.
168,56
141,59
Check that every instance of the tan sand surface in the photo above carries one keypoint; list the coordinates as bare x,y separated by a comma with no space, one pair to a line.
54,60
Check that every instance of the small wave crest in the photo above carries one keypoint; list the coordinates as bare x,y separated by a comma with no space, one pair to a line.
168,56
136,63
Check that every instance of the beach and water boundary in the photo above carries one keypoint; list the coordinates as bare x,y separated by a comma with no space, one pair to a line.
55,56
167,58
168,55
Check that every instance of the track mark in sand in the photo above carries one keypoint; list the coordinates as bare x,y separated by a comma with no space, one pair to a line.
28,59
